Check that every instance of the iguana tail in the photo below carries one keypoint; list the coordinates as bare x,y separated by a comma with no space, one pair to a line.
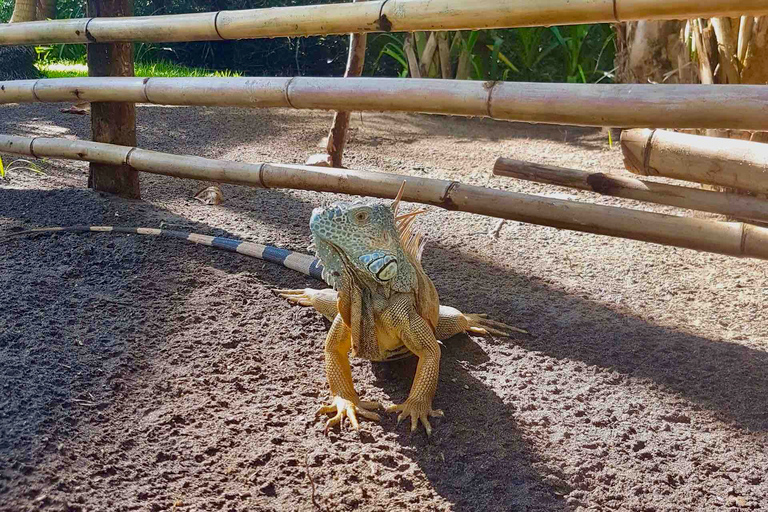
297,261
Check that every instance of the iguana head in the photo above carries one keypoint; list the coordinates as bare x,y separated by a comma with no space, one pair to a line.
366,239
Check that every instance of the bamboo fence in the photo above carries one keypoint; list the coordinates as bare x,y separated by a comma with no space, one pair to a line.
374,16
643,105
735,239
715,161
732,205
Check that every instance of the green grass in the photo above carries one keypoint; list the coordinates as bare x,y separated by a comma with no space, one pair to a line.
164,68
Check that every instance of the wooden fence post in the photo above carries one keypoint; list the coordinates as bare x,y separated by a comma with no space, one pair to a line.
112,122
337,136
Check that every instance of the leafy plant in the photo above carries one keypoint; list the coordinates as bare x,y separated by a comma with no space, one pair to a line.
580,65
394,49
19,164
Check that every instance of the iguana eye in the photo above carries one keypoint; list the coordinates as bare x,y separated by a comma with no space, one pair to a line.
361,217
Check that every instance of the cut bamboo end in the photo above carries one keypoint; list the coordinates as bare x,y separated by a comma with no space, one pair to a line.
729,238
711,160
644,105
732,205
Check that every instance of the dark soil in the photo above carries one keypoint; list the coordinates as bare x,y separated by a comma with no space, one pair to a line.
147,374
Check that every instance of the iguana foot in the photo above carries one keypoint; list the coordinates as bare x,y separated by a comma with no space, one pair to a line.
324,301
346,408
301,297
417,410
481,324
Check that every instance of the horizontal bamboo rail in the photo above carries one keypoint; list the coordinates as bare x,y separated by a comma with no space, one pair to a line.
730,238
733,205
644,105
374,16
712,160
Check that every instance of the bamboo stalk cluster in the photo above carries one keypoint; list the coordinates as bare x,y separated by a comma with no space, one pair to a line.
735,239
373,16
639,105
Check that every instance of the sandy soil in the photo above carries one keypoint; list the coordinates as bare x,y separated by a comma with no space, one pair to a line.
146,374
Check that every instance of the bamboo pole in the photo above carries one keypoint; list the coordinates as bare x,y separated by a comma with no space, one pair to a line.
729,238
745,35
727,50
631,105
374,16
732,205
444,51
715,161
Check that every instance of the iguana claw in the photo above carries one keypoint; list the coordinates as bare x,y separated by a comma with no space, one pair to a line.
302,297
480,324
346,408
417,410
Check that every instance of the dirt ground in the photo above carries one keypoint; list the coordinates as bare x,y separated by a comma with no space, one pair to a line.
147,374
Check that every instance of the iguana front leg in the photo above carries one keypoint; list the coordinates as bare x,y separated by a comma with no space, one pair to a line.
450,323
416,334
324,301
344,399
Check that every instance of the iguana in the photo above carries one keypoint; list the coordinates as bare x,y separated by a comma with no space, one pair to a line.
382,306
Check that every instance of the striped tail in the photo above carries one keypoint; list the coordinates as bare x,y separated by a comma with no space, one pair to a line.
297,261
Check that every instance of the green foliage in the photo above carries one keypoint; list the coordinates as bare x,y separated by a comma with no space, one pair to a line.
392,47
578,53
18,165
579,64
6,10
163,68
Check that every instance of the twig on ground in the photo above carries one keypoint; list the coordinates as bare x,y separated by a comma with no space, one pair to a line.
497,229
311,482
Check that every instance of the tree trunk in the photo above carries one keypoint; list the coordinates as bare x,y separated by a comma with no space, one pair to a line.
23,10
112,122
18,62
652,51
46,10
410,52
445,55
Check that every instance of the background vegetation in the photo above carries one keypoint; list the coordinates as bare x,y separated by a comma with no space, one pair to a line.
581,53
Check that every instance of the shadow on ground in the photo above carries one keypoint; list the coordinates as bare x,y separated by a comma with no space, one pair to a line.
69,344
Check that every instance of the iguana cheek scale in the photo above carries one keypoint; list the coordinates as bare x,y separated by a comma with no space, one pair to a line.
382,305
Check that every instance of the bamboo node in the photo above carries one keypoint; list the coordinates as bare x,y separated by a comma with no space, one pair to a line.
32,147
34,92
744,234
383,22
88,34
446,201
600,183
216,25
127,160
490,86
286,92
647,153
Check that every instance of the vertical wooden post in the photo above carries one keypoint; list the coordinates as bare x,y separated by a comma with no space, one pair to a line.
337,137
112,122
